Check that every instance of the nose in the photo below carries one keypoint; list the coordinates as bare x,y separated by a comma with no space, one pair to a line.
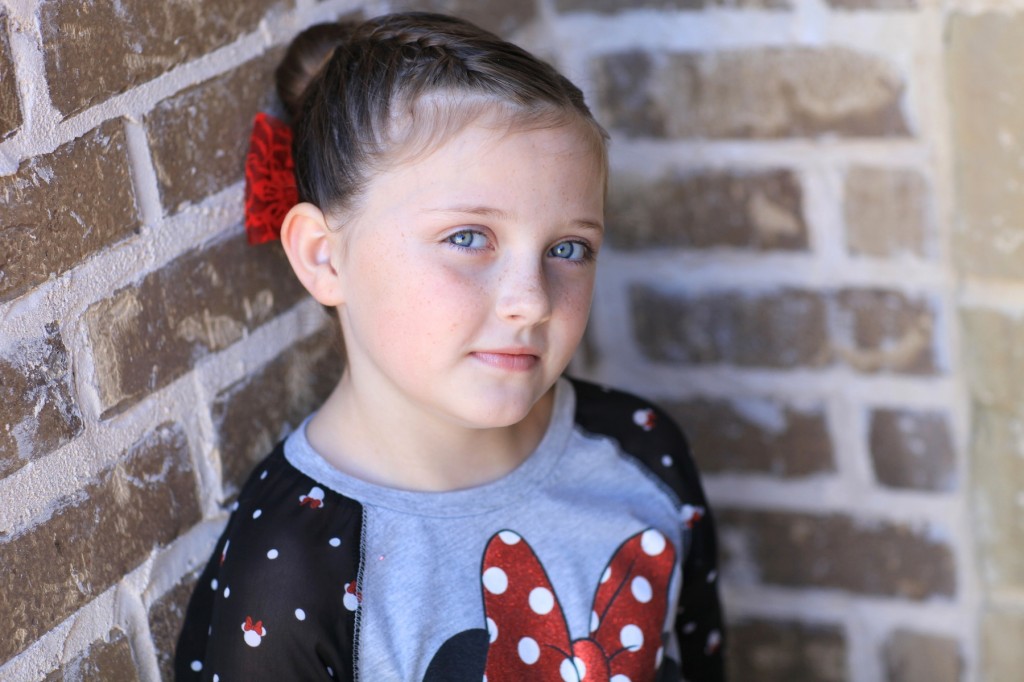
523,293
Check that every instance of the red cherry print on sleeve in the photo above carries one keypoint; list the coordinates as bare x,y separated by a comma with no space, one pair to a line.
253,632
352,597
314,499
690,515
645,419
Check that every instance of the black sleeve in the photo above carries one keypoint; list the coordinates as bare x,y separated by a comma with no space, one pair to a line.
699,621
277,599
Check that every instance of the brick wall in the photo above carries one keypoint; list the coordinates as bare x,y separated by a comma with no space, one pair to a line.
812,263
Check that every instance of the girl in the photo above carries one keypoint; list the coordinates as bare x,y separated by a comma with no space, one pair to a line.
456,510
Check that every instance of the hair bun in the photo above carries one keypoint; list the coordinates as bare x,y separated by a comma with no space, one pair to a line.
305,59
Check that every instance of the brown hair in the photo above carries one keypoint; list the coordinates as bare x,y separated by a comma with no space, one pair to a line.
360,93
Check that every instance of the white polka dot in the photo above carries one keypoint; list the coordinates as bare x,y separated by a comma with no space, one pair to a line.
300,614
573,669
541,600
712,575
334,542
213,584
227,592
330,671
258,513
196,666
529,651
263,475
632,637
216,677
509,537
658,656
594,621
234,507
492,630
272,554
666,460
620,678
652,542
495,580
689,628
641,589
606,575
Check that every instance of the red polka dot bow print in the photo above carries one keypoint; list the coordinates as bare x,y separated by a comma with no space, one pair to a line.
529,636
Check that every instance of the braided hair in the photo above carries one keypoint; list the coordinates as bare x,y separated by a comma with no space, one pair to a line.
365,95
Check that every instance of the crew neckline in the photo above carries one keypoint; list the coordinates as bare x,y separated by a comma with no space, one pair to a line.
506,490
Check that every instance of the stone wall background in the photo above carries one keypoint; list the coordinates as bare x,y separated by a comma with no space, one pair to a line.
813,263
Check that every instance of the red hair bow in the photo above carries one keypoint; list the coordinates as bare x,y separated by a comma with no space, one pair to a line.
529,636
270,189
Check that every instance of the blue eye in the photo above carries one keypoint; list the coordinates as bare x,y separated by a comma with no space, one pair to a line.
575,251
468,239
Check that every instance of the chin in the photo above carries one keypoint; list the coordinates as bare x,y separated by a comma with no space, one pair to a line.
496,413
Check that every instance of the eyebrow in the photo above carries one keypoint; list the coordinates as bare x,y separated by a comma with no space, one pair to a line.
491,212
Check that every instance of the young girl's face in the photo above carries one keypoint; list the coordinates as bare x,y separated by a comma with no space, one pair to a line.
467,274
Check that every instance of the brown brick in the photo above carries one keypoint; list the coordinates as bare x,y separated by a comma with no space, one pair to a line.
499,16
96,49
780,329
613,6
38,406
165,618
10,107
200,136
915,657
252,415
759,210
755,435
96,536
886,212
773,651
996,458
837,552
61,207
109,659
148,334
872,4
764,93
993,349
913,450
983,57
884,331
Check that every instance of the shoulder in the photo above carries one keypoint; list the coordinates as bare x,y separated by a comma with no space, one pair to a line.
640,426
643,431
277,599
281,506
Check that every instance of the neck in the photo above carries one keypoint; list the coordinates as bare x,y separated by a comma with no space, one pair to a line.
394,445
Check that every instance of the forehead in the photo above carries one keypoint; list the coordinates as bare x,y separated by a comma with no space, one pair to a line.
499,159
433,120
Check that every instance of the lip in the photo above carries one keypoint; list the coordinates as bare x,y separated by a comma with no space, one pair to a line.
510,359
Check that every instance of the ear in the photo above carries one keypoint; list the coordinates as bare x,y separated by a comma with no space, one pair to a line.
310,245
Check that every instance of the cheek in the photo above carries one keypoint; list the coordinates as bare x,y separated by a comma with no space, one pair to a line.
573,301
418,307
